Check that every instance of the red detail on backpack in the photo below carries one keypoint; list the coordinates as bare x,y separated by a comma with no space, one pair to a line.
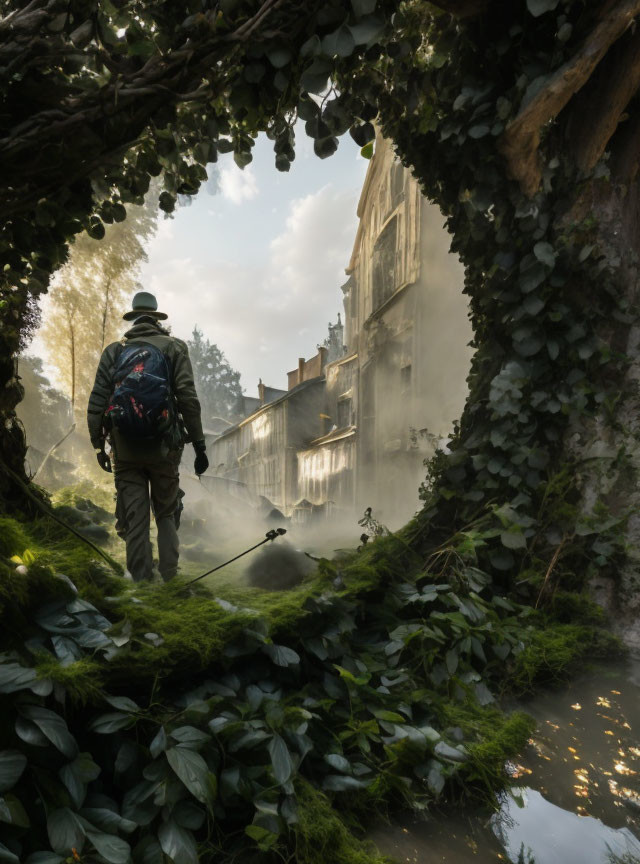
139,367
137,408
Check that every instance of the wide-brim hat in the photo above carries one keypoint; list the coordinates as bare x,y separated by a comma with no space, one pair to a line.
144,303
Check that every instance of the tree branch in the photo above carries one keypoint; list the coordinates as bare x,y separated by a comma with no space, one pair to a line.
520,141
597,112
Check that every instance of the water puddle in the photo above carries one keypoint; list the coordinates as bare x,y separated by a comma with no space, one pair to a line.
578,795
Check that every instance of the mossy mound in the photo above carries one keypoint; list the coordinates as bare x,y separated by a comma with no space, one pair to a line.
281,716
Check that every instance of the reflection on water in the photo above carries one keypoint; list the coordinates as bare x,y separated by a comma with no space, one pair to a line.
581,801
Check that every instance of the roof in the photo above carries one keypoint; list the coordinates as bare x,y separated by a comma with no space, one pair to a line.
287,395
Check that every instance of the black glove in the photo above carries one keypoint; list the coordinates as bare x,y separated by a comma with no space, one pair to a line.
104,461
201,462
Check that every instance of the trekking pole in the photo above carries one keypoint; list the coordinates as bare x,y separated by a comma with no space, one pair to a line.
270,535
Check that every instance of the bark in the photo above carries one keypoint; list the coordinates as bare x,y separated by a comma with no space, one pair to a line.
608,449
602,103
72,347
520,142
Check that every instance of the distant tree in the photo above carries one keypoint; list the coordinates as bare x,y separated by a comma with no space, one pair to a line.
45,410
218,385
89,296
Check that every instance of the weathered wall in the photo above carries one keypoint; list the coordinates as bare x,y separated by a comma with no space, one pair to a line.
260,451
407,319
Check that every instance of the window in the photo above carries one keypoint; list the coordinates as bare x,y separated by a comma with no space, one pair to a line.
344,413
396,184
405,378
384,265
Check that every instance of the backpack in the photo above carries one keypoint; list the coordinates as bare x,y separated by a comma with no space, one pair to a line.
141,405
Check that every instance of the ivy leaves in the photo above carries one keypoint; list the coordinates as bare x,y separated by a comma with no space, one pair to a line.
339,703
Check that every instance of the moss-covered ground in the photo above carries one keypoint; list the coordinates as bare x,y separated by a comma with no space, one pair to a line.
368,663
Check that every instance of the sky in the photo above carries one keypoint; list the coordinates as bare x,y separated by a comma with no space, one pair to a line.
258,258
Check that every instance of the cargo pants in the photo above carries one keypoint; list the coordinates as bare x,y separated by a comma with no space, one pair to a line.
140,488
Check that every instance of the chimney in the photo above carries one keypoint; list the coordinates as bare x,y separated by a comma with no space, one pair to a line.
300,370
261,391
322,351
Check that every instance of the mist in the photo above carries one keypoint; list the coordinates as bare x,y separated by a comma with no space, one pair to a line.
351,433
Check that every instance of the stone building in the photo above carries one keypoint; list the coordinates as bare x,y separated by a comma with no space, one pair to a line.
402,381
261,450
360,417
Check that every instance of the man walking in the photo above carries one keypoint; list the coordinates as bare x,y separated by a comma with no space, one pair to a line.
143,400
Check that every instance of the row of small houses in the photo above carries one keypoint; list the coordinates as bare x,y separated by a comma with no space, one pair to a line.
358,419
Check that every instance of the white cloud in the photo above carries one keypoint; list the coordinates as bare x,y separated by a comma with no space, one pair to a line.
238,185
264,314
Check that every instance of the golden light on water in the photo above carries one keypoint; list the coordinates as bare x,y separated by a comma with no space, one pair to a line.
623,768
577,707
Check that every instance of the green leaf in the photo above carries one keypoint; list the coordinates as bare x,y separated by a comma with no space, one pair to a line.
14,677
148,851
263,837
311,48
340,42
341,783
367,150
479,131
95,228
314,78
532,277
533,304
435,777
12,764
178,843
367,30
281,655
105,724
189,736
65,831
280,759
545,253
122,703
188,815
501,559
7,855
363,133
113,849
159,743
12,811
108,821
388,716
513,540
194,773
337,761
75,775
539,7
52,727
279,57
451,660
29,733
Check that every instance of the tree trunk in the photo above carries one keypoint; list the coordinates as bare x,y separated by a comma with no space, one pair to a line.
72,348
15,311
607,448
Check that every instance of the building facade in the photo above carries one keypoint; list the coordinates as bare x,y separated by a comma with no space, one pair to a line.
402,382
362,415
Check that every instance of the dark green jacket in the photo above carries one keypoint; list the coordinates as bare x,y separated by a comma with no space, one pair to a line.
145,329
